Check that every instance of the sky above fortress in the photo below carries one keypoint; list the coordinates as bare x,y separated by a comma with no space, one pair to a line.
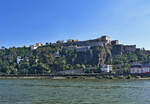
25,22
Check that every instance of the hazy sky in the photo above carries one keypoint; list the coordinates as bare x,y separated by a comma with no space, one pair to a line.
25,22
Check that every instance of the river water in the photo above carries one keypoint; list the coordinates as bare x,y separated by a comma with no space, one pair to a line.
19,91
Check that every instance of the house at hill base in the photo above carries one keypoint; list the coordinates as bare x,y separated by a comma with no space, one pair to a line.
138,69
106,68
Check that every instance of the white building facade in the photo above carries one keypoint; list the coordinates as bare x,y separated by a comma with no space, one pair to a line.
35,46
19,59
106,68
138,69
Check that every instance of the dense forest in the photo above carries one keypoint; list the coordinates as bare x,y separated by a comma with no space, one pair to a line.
54,57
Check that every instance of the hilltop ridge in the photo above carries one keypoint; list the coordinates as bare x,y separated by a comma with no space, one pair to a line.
86,55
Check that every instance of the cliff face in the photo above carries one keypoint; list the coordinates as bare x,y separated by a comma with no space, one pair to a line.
112,54
102,51
94,56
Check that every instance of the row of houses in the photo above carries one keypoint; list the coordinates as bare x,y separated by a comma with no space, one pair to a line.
104,69
141,68
135,69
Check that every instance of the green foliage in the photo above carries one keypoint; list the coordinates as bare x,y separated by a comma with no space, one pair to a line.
43,61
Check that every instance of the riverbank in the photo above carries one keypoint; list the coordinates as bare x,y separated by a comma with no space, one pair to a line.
24,77
65,77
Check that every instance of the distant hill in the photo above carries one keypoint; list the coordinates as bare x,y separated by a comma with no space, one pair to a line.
73,54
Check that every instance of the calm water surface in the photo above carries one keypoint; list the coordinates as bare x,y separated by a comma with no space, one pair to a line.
74,92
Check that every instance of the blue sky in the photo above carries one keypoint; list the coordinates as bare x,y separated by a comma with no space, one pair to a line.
25,22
